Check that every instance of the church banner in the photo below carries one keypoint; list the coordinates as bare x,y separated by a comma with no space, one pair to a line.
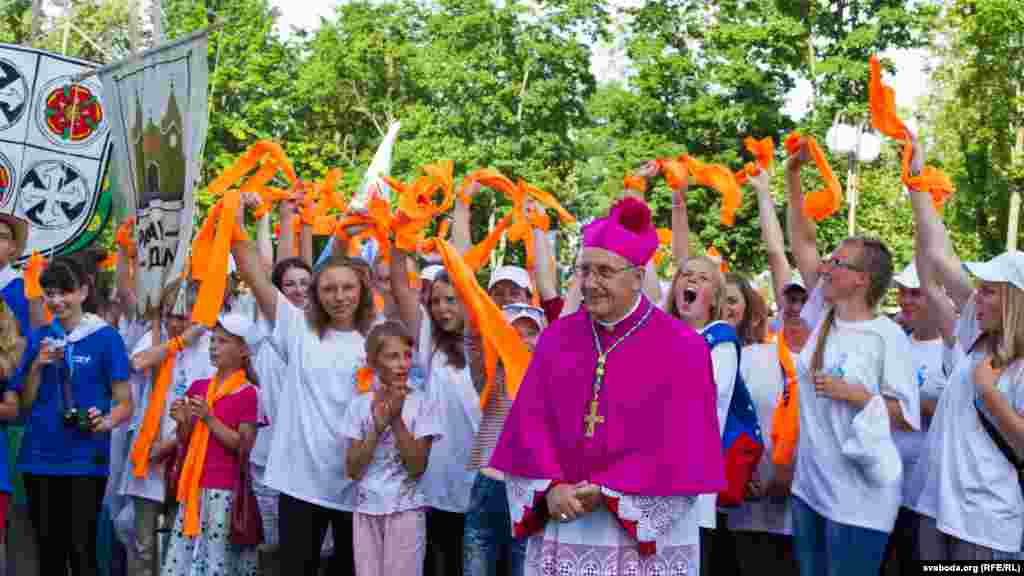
54,145
159,115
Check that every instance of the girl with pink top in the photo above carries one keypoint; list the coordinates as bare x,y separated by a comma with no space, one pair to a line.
215,418
391,427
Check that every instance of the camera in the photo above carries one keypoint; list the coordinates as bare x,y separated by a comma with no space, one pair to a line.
74,418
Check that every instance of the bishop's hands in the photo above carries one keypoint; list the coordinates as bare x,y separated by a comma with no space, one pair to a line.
569,502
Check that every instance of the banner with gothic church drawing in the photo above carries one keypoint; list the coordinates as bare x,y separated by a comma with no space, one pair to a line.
54,145
159,114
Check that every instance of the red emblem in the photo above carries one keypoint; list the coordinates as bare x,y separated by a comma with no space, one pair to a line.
73,113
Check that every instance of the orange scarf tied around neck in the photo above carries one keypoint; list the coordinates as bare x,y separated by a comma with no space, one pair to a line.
155,409
882,101
195,460
786,418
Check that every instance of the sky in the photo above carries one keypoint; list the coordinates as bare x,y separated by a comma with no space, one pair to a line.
910,79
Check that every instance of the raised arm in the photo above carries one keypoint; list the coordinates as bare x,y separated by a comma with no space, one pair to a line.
154,355
462,238
544,266
286,211
803,232
263,241
680,225
251,269
771,234
407,299
124,286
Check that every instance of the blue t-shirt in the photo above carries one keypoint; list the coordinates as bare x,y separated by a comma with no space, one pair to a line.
14,296
51,448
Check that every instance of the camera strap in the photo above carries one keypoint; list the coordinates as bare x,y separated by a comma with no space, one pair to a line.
69,368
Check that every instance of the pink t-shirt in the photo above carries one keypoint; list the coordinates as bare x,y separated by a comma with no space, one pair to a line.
220,471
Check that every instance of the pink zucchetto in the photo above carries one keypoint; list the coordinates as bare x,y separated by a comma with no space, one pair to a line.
627,231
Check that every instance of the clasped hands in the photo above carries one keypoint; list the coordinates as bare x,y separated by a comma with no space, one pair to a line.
568,502
387,406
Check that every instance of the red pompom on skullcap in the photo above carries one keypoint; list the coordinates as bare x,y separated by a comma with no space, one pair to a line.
627,231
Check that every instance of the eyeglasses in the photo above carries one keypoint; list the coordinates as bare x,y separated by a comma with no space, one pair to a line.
839,263
517,309
603,271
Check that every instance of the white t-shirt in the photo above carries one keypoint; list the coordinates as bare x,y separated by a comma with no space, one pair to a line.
386,488
763,375
969,487
271,370
725,364
926,359
307,448
876,354
448,480
192,363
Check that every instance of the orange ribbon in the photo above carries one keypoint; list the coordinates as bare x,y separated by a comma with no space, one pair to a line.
882,101
123,238
523,221
195,460
664,245
676,175
108,263
155,409
763,151
364,379
786,417
819,204
720,178
638,183
500,339
32,272
716,256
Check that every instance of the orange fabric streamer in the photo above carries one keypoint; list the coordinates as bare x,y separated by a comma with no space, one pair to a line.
786,417
195,460
364,379
108,263
123,238
819,204
720,178
715,255
763,151
500,339
882,101
155,409
476,257
637,183
215,273
32,272
664,245
675,172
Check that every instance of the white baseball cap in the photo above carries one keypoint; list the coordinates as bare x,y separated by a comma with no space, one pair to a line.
796,281
514,312
908,278
430,272
242,327
1007,267
513,274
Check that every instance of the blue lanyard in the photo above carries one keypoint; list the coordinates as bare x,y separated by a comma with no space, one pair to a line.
69,401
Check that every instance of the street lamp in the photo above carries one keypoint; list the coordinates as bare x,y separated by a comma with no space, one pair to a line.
859,145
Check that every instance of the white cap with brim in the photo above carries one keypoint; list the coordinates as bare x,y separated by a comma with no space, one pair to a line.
431,272
1007,267
19,227
514,312
242,327
796,281
513,274
908,277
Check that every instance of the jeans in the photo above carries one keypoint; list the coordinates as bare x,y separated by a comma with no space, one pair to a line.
827,548
488,535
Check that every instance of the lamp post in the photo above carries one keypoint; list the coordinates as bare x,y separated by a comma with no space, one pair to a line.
859,145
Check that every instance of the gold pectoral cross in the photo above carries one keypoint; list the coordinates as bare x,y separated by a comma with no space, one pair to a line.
592,419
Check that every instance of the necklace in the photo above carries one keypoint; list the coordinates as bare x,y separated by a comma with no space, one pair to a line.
592,419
